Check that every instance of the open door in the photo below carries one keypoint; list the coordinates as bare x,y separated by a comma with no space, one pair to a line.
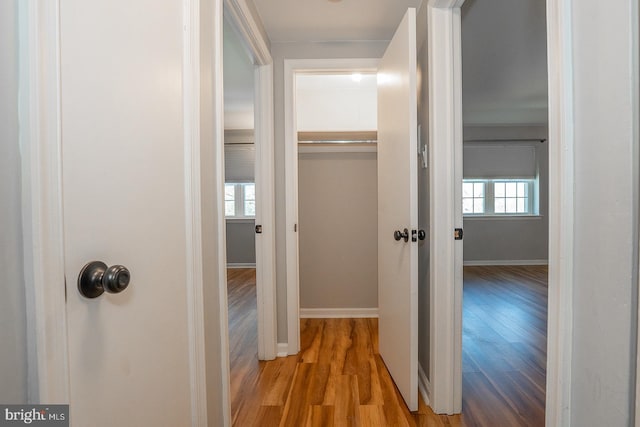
398,209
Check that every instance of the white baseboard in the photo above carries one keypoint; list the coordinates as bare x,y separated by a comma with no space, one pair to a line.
283,349
241,265
424,385
507,262
333,313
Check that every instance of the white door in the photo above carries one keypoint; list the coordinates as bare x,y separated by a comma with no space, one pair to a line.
124,203
398,210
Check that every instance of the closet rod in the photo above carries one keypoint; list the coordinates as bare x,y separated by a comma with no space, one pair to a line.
541,140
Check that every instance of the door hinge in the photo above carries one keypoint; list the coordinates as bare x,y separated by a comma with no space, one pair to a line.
295,228
258,229
458,233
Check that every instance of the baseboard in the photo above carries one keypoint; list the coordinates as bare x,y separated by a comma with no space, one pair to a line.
283,349
332,313
424,385
241,265
506,262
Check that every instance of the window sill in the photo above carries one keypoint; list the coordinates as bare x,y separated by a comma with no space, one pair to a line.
236,219
502,217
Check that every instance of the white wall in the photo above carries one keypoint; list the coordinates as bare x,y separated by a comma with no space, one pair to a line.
13,350
335,102
605,217
338,242
280,51
510,240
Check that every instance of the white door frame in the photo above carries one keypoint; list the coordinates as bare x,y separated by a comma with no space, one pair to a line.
561,212
244,19
40,142
291,67
445,54
445,160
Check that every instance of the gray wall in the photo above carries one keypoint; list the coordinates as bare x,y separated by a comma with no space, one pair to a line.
338,203
511,239
605,214
241,242
280,51
13,335
424,288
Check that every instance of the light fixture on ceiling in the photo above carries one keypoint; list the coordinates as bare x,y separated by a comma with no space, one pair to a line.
356,77
334,1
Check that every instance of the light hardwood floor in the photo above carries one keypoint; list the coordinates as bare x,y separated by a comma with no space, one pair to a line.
338,379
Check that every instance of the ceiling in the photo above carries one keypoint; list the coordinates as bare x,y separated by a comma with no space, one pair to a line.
325,20
504,62
503,49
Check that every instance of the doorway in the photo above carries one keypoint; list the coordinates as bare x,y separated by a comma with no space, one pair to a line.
505,208
249,160
239,152
337,193
318,143
240,211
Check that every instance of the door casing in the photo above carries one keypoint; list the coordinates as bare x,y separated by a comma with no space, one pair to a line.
243,20
444,27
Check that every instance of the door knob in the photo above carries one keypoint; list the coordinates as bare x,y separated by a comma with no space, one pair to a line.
401,235
95,278
418,235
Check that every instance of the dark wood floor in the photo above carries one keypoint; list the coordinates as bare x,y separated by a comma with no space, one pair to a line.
504,345
243,333
339,379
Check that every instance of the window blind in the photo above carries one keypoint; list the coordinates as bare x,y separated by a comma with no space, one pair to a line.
239,162
499,161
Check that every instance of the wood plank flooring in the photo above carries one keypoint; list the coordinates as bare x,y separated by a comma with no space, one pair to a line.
504,346
338,379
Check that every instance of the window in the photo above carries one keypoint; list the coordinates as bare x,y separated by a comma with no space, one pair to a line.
487,197
239,200
511,197
473,197
249,199
230,199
